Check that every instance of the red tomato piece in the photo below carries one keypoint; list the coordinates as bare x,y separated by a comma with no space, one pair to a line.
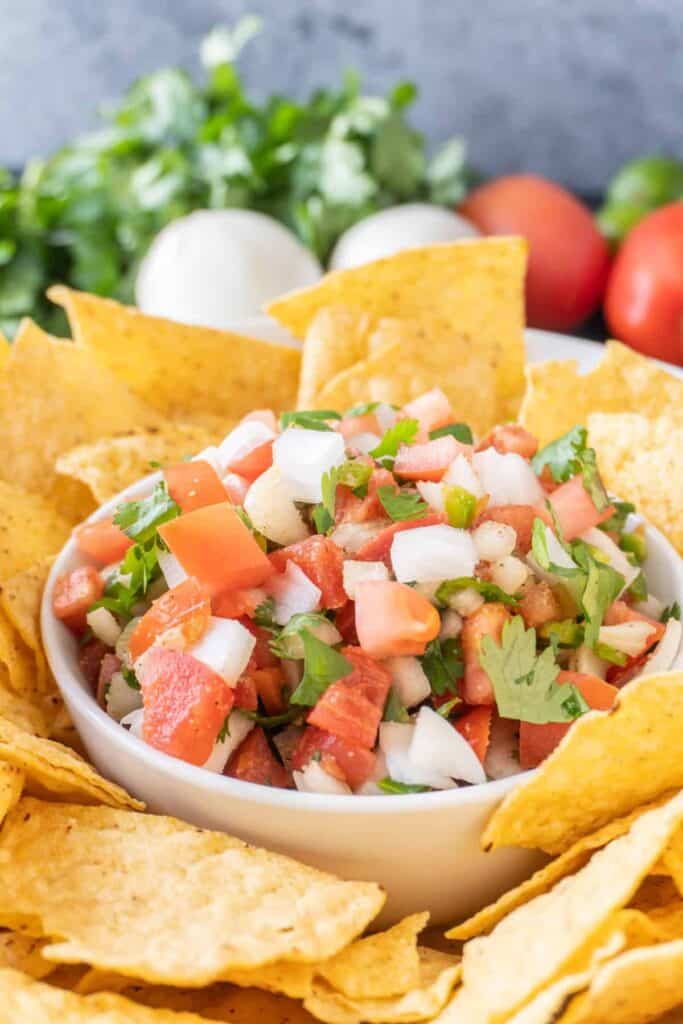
246,695
354,425
186,704
110,665
102,541
355,764
255,462
261,656
349,508
393,619
428,461
236,488
89,660
431,410
213,544
352,707
194,484
178,619
575,509
269,683
345,621
475,726
536,742
254,761
233,604
519,517
475,686
378,549
322,561
74,594
510,438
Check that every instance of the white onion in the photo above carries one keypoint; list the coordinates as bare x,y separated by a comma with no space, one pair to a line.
270,506
239,727
385,416
437,746
651,606
121,698
664,654
121,650
586,660
358,572
364,442
466,602
556,555
508,479
494,541
213,457
171,569
134,722
433,494
351,537
395,739
294,593
429,553
379,772
293,645
225,647
616,557
502,757
451,625
408,680
627,637
243,440
314,779
461,473
104,626
303,456
509,573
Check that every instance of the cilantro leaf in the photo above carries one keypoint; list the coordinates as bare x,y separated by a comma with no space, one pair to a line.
322,520
560,456
460,431
273,721
401,505
617,521
246,519
402,432
322,666
140,519
591,479
351,474
602,586
263,614
394,788
672,611
489,591
288,642
138,570
443,665
525,685
361,410
224,731
310,419
130,677
394,710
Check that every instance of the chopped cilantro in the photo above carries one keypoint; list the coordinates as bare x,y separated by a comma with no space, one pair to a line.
130,677
561,455
309,419
139,569
402,432
672,611
246,519
140,519
460,431
322,520
442,664
224,730
263,614
524,683
394,711
361,410
592,481
322,666
445,709
352,474
489,591
602,586
273,721
401,505
288,643
394,788
617,521
638,589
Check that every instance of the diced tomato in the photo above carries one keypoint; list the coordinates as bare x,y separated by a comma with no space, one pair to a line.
393,619
269,683
246,695
254,761
102,541
355,764
255,462
539,604
322,561
178,619
621,612
261,656
519,517
213,544
368,676
345,621
110,665
349,508
354,425
428,461
575,509
352,707
236,488
431,410
475,686
475,726
89,660
378,549
194,484
233,604
510,438
620,675
74,594
265,416
536,742
185,704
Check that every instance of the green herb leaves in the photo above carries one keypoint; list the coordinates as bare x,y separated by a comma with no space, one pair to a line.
443,665
140,519
322,666
489,591
351,474
311,419
460,431
569,455
402,432
402,504
394,788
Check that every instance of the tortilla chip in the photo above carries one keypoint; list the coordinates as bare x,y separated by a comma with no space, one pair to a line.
439,974
673,861
31,528
11,788
640,461
23,953
20,600
110,465
56,391
381,965
32,711
557,396
336,339
58,771
19,661
609,763
668,921
223,1003
184,371
72,498
5,350
231,906
293,980
408,358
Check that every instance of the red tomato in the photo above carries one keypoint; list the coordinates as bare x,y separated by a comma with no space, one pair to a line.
255,462
194,485
352,707
393,619
431,410
322,561
568,257
254,761
367,424
178,619
74,594
262,656
213,544
269,683
246,695
379,548
110,665
236,488
90,659
355,764
644,301
428,461
349,508
345,621
536,742
575,509
102,541
519,517
475,726
185,703
510,437
475,686
233,604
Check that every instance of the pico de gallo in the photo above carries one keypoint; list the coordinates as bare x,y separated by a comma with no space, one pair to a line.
374,602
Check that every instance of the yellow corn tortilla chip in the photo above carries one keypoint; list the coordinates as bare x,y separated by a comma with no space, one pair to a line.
634,988
640,461
32,711
57,391
232,906
4,351
223,1003
11,788
336,339
53,769
72,498
292,980
439,974
668,921
557,396
381,965
20,662
108,466
549,932
672,860
185,372
20,599
656,891
23,953
31,528
408,358
609,763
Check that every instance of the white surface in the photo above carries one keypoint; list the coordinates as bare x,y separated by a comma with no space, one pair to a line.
441,867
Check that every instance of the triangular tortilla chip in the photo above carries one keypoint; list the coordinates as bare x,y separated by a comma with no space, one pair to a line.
31,529
336,339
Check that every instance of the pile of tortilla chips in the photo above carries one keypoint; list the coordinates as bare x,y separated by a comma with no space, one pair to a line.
109,914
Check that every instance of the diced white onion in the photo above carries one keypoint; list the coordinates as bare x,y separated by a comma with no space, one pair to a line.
225,647
134,722
243,440
121,698
386,416
466,602
380,771
270,506
294,593
628,637
664,654
508,479
556,554
121,650
171,569
586,660
303,456
358,572
651,606
429,553
314,779
494,541
433,494
351,537
509,573
213,456
104,626
364,442
437,746
615,556
408,680
239,726
325,631
461,473
395,740
451,625
502,757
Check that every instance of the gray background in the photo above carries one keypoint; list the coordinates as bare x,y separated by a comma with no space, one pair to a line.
569,88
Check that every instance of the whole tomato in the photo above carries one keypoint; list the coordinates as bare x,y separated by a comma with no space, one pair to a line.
644,301
568,257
